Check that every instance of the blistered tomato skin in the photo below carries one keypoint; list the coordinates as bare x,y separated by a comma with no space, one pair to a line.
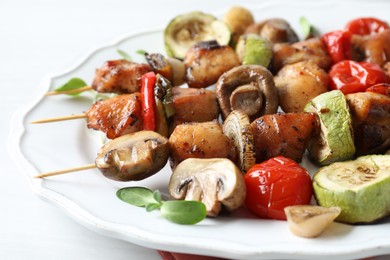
366,26
352,76
275,184
338,45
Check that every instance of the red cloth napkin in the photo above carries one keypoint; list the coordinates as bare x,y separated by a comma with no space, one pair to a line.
178,256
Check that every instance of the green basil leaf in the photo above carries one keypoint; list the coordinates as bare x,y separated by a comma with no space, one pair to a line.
157,196
124,55
152,206
142,52
137,196
73,83
305,26
183,211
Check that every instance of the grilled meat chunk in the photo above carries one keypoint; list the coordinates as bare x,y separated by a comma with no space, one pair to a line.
282,134
206,61
309,50
116,116
119,76
194,105
371,122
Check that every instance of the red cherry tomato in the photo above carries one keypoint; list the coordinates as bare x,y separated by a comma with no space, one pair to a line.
338,44
366,26
381,88
275,184
352,76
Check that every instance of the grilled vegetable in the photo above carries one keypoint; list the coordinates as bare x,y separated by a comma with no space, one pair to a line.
308,220
185,30
133,156
249,88
237,127
359,187
334,142
218,183
275,30
238,19
275,184
254,49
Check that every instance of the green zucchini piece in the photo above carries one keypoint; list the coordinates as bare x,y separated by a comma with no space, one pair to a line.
185,30
335,140
254,49
359,187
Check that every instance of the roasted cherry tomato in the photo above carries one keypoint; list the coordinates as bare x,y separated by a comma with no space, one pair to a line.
381,88
148,101
366,26
275,184
338,44
352,76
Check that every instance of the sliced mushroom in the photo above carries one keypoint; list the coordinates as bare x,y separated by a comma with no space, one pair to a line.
310,221
133,156
247,87
237,127
215,182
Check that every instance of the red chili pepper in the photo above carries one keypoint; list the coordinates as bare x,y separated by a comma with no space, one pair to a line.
352,76
366,26
148,101
338,44
275,184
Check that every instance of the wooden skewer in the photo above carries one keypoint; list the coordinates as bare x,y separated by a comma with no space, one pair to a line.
59,118
68,170
73,91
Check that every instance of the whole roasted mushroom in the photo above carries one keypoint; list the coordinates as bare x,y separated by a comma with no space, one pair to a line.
133,157
249,88
275,30
216,182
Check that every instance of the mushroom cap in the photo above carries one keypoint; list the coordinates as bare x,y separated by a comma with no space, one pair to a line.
241,81
216,182
134,156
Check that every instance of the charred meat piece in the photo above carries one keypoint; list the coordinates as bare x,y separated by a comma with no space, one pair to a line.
116,116
206,61
309,50
371,121
200,140
298,83
282,134
193,105
119,76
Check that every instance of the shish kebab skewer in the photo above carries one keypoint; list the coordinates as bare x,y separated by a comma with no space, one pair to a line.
124,76
129,113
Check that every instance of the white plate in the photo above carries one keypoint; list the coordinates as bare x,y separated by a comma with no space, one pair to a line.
90,198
